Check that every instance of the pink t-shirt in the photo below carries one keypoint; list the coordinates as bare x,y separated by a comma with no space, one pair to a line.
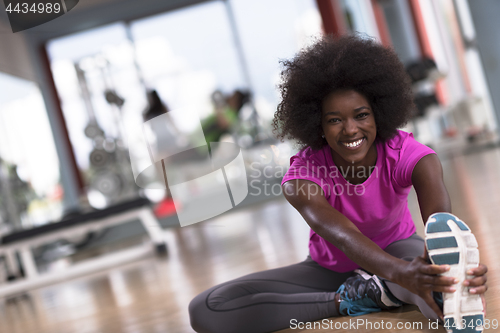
378,207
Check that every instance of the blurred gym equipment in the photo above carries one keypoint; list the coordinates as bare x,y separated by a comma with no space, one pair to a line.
20,244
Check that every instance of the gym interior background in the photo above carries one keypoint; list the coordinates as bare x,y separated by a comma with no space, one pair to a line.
85,249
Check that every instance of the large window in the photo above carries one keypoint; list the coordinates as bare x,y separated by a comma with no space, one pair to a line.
189,53
30,191
186,55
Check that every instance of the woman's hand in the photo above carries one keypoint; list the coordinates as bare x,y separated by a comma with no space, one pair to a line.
477,285
422,279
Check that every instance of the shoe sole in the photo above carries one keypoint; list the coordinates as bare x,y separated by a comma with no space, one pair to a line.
449,241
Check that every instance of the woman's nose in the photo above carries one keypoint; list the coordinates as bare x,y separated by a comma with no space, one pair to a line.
350,127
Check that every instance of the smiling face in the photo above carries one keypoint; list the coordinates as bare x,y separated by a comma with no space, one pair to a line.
349,127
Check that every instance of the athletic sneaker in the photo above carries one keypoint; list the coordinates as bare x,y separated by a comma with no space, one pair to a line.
449,241
364,293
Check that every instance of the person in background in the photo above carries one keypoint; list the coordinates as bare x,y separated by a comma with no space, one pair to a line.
166,132
225,116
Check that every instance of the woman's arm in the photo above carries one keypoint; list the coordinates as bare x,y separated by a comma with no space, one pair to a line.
427,178
417,276
308,198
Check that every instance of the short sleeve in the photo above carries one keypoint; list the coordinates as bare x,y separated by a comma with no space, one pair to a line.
310,169
411,152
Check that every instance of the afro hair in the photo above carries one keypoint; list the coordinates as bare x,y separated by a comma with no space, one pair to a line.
328,65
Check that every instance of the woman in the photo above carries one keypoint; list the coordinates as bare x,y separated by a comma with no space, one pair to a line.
343,100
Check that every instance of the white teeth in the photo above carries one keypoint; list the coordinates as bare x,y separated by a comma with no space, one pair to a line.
353,144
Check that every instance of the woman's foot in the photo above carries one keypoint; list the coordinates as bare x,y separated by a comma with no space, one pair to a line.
363,293
449,241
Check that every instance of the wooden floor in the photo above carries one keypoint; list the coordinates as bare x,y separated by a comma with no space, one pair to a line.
152,295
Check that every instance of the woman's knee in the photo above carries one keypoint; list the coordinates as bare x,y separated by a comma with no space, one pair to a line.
203,315
198,313
209,313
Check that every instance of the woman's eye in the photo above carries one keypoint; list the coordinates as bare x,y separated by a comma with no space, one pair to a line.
333,120
362,115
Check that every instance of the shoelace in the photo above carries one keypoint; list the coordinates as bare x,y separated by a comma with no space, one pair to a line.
358,306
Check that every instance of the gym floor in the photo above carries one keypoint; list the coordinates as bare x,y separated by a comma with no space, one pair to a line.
152,295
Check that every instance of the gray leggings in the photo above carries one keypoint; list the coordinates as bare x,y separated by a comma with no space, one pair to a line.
267,301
